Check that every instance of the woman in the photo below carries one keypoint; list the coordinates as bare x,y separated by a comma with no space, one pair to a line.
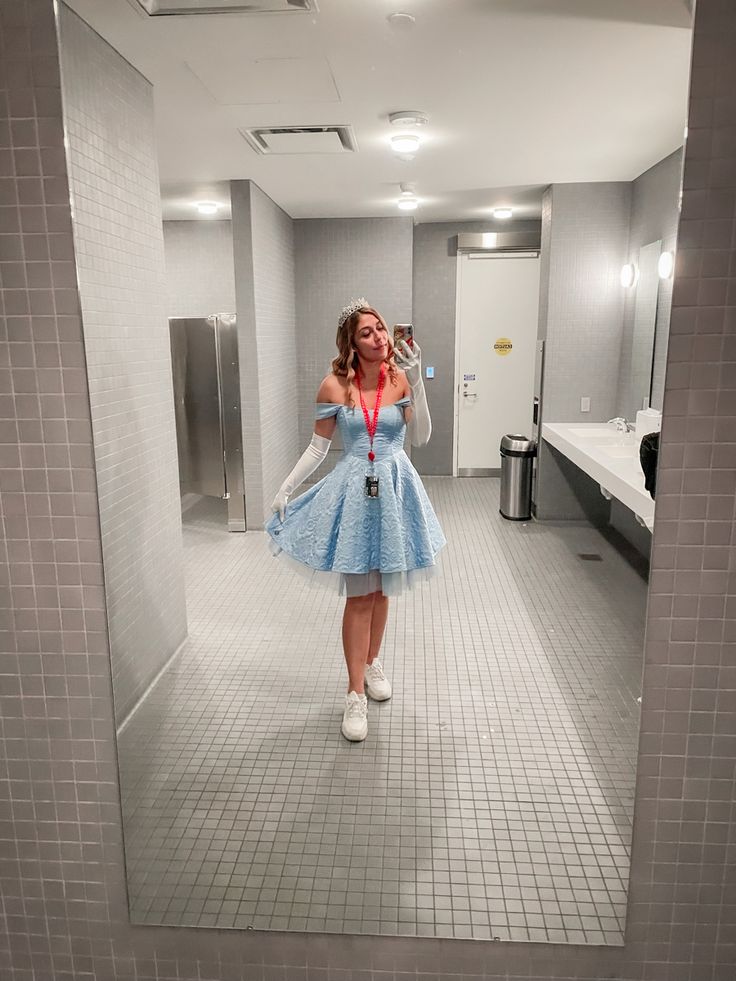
369,523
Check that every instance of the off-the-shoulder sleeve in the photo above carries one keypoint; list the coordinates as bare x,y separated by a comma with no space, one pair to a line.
323,410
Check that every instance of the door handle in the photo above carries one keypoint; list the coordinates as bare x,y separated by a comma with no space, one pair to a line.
470,395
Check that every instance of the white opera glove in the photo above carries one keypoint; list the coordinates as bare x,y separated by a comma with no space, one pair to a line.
306,465
409,359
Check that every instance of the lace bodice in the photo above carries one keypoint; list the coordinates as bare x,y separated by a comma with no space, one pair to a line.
389,438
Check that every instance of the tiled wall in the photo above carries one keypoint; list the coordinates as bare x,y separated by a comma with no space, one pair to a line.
654,215
278,384
61,868
339,259
108,109
62,877
435,282
586,229
200,279
682,901
589,226
264,250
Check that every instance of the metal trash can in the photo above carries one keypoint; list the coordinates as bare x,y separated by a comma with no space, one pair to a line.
517,456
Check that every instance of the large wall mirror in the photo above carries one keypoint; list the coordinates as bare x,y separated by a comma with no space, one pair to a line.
645,322
645,347
493,798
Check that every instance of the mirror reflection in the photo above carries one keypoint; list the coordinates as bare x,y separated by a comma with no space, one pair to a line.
482,784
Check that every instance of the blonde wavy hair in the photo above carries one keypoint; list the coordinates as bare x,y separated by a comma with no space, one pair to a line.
346,363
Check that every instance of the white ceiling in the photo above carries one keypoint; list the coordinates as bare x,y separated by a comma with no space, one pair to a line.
519,93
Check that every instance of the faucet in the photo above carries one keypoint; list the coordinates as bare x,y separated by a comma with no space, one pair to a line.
622,426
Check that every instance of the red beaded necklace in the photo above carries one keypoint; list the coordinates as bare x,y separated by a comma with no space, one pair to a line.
371,424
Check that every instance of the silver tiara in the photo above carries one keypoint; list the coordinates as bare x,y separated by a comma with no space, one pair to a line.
351,308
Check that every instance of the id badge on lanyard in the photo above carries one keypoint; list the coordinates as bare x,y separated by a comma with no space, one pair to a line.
371,480
371,485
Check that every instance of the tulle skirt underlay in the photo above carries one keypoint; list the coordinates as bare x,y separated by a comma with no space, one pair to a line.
350,584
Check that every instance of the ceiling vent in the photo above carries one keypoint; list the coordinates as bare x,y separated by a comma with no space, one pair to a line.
301,139
498,242
164,8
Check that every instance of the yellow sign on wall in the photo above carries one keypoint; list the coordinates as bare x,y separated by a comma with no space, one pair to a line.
503,346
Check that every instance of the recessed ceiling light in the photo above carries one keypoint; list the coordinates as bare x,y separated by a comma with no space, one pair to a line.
207,207
408,200
405,143
503,212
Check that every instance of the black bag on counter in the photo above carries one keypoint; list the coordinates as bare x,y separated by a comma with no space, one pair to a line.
648,456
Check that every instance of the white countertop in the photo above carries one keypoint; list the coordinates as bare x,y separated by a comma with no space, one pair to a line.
609,457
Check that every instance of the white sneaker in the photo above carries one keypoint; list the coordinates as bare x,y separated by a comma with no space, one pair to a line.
376,682
355,719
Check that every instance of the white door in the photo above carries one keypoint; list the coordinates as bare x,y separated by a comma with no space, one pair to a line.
497,313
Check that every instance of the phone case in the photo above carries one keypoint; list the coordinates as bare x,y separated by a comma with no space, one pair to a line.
404,332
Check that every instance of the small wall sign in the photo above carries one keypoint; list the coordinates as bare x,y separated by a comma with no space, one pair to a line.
503,346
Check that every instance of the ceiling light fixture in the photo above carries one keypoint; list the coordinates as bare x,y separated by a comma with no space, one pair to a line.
408,200
408,117
629,275
207,207
405,143
503,212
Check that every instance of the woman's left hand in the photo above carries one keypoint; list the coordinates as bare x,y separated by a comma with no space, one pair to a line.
409,359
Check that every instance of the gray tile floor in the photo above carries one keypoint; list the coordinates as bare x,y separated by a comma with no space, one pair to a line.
493,797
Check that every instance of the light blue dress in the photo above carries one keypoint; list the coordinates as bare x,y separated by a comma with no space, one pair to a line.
334,533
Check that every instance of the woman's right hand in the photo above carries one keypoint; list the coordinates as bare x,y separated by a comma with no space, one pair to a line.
279,504
305,465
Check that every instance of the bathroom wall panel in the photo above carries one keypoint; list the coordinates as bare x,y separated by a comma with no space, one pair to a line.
264,254
119,252
200,276
588,242
585,233
277,341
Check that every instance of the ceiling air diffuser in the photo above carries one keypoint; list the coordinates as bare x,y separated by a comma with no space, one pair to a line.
301,139
169,8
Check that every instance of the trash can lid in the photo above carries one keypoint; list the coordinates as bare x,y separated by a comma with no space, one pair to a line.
518,444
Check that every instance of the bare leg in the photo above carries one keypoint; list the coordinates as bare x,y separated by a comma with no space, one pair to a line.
378,625
356,636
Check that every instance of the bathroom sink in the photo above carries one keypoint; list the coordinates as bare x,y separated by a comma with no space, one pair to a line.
622,452
596,432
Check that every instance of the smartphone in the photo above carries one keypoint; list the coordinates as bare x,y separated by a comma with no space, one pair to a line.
404,332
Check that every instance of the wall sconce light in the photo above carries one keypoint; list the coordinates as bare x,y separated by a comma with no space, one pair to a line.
207,207
666,265
629,275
